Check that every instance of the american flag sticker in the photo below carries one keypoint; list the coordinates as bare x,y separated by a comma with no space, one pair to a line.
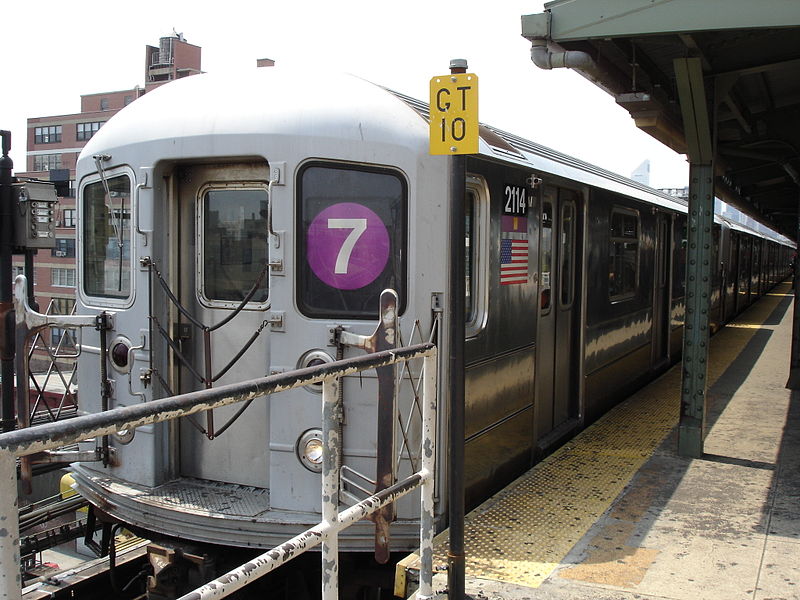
513,261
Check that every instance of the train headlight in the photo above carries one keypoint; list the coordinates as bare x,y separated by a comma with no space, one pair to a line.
121,354
314,358
309,450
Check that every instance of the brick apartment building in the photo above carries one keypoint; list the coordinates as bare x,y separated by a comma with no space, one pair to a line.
53,146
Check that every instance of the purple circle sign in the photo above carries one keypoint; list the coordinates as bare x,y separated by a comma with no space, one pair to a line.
347,246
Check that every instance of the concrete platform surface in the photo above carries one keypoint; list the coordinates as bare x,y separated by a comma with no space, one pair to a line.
726,526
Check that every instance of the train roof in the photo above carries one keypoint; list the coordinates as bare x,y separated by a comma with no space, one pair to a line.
189,117
280,100
508,146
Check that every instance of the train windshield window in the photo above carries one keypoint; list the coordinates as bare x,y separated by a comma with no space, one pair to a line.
235,244
107,238
351,239
623,273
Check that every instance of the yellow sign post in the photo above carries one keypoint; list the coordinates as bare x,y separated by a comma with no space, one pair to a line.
454,114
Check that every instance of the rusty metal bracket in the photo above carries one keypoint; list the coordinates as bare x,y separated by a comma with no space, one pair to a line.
384,338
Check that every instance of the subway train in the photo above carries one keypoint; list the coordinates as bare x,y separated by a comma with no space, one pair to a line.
230,224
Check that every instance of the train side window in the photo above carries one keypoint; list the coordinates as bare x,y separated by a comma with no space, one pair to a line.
470,240
351,239
567,240
546,250
106,229
476,242
623,260
234,244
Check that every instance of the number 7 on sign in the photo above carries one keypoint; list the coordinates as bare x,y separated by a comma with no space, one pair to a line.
357,227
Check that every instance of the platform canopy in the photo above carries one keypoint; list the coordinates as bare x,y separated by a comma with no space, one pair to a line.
748,67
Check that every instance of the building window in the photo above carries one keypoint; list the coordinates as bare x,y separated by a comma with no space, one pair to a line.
623,262
46,162
104,104
47,135
63,341
128,100
68,218
61,306
65,248
62,277
87,130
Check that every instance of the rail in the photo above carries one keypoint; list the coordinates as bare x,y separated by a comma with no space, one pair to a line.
48,436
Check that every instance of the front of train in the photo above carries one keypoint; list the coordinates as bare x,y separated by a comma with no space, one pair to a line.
227,225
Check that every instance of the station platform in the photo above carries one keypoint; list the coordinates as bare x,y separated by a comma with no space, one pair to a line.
616,514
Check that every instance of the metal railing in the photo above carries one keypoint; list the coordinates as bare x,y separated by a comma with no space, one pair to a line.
48,436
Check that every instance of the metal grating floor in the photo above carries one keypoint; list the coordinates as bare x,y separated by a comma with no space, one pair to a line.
522,534
205,498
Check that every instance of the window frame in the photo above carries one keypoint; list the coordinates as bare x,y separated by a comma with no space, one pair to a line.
302,268
68,217
81,130
80,237
546,277
201,246
64,248
65,271
53,161
478,257
567,276
47,134
631,212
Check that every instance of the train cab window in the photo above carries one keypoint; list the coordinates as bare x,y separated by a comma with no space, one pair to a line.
623,263
106,229
234,244
351,239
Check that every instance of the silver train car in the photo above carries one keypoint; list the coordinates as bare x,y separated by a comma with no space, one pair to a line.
229,225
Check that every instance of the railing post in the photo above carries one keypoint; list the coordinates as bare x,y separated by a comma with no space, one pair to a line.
331,448
426,517
10,576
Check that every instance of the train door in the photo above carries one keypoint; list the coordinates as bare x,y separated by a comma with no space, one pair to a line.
220,253
662,290
559,309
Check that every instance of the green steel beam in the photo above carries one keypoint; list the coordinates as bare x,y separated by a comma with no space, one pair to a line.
694,109
588,19
698,292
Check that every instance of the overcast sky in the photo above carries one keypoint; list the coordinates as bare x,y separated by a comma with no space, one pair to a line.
55,51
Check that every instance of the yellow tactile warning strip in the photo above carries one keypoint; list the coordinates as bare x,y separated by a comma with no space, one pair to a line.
521,534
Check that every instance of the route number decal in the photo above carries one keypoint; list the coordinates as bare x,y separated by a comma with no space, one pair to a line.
357,227
347,246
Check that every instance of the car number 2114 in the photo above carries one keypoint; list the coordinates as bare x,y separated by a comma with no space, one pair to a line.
515,201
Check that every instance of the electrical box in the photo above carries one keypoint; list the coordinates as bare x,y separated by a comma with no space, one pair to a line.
34,214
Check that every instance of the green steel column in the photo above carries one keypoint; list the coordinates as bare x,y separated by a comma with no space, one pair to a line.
698,293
